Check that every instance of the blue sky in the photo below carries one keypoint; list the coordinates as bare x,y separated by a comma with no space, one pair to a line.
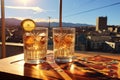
73,10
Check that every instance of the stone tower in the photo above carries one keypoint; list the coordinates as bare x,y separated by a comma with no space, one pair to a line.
101,23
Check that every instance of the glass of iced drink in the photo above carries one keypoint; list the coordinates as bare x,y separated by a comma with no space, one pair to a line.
64,43
35,45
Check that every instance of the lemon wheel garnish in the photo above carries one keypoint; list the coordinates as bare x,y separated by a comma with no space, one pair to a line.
28,24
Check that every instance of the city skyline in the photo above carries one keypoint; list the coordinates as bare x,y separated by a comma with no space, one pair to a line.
74,11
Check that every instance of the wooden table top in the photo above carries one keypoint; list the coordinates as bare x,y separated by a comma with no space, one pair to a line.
14,68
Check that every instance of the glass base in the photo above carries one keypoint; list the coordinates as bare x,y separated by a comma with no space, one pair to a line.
63,59
34,61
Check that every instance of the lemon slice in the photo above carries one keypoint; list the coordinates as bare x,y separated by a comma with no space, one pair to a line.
28,24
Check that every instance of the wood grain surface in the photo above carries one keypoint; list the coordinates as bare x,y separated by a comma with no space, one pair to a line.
15,68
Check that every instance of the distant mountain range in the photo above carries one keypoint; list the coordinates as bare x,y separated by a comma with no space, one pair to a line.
16,22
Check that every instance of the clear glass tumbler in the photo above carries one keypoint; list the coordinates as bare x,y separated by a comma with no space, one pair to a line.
35,45
64,43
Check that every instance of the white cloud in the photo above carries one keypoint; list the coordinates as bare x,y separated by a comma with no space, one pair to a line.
46,20
36,9
38,20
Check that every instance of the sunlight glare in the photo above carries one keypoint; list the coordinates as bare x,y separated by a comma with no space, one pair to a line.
25,2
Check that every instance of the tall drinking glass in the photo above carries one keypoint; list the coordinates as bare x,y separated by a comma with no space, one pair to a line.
35,45
64,42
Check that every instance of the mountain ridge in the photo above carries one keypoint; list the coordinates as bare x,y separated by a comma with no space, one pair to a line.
17,22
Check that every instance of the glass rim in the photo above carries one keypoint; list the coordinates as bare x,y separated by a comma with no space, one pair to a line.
36,28
64,28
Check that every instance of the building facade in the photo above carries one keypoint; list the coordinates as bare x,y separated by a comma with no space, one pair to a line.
101,23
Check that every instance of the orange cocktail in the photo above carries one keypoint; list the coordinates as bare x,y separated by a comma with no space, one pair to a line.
64,41
35,45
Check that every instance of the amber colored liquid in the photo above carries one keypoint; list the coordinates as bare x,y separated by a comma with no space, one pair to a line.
63,47
35,48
